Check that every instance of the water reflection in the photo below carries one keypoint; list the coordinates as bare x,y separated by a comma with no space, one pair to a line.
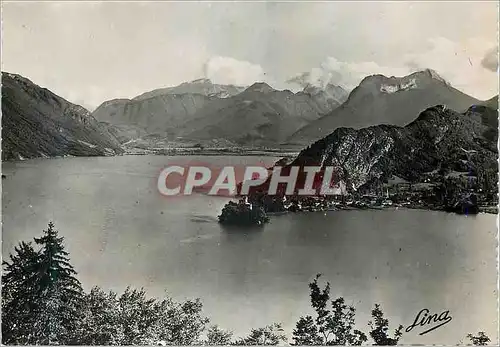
120,232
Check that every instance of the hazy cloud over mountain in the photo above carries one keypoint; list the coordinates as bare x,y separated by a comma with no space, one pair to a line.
345,74
89,52
490,60
463,65
227,70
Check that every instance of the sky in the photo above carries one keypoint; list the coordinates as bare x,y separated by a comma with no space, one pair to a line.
90,52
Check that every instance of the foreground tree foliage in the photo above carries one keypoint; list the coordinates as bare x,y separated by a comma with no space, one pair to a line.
41,298
481,339
132,319
43,304
218,337
380,327
270,335
19,302
333,326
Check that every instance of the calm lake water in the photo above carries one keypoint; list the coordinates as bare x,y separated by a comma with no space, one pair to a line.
120,231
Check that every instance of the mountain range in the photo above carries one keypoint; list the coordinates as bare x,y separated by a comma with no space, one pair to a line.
260,115
38,123
201,111
203,86
160,111
386,100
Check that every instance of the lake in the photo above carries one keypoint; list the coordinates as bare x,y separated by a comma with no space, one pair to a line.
120,231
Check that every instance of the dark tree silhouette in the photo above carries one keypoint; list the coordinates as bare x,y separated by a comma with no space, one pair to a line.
379,329
100,324
60,291
19,301
218,337
42,286
270,335
333,326
306,332
481,339
134,319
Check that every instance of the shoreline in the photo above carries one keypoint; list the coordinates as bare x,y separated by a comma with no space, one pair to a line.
215,152
491,209
482,209
224,152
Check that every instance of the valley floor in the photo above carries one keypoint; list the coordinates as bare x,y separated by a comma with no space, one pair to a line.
216,151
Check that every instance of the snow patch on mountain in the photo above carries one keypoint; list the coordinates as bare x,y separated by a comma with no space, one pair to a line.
393,88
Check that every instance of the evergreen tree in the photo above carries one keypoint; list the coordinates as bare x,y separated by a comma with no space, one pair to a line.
60,293
379,327
42,286
19,300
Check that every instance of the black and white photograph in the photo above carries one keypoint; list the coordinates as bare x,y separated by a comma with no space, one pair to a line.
249,173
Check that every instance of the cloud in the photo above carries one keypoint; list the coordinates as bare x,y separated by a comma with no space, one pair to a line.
94,43
301,80
460,63
318,77
344,74
490,60
465,65
227,70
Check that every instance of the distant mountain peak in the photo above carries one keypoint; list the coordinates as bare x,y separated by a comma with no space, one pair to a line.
203,86
200,81
261,87
416,80
373,78
379,99
328,92
429,73
314,89
434,74
418,75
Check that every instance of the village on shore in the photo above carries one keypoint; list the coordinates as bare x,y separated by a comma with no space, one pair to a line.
447,196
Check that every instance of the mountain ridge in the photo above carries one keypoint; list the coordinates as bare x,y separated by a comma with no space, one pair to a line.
386,100
438,138
260,115
257,115
203,86
38,123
